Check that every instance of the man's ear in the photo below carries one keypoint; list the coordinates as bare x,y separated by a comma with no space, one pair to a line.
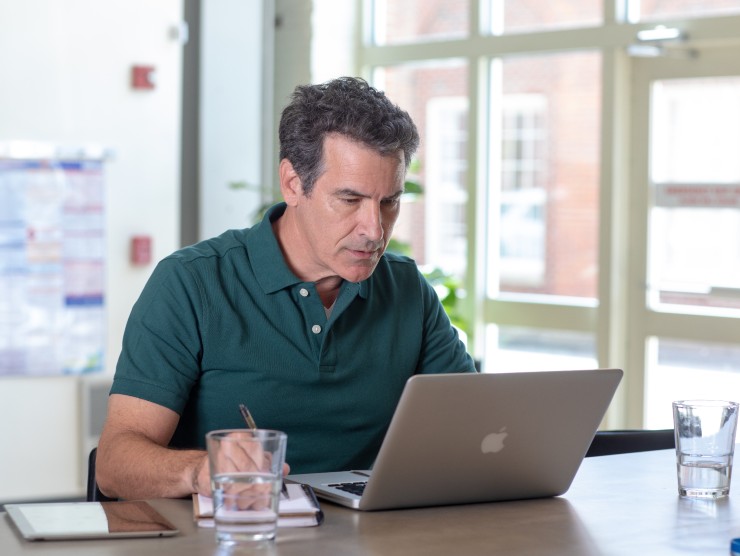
290,184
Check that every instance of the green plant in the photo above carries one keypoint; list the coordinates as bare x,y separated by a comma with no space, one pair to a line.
450,290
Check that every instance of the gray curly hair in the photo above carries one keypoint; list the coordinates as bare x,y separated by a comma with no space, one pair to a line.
348,106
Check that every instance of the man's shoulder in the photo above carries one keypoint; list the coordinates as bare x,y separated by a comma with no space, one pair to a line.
396,260
395,269
227,244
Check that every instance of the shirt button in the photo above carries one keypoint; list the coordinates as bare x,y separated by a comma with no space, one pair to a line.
316,329
303,292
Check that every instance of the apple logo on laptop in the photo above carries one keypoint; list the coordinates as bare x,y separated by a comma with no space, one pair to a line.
494,442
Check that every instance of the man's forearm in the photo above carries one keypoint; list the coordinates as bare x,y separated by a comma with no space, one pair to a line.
133,467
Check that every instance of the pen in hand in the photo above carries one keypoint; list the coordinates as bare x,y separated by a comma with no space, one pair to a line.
253,426
247,416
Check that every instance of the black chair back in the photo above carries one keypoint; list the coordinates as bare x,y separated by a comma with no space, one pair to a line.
93,492
635,440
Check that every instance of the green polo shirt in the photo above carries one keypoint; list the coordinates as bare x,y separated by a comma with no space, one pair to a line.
225,322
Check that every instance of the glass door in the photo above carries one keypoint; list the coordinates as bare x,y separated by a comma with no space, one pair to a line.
684,237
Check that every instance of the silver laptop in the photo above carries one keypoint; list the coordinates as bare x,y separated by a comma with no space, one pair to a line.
465,438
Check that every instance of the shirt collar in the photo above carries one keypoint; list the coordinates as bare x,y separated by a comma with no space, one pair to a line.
268,263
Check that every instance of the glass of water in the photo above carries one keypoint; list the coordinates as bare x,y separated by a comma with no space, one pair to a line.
246,476
705,443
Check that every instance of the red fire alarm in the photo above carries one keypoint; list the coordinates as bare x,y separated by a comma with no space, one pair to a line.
143,77
141,250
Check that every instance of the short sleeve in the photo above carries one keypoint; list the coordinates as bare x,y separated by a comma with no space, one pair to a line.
162,348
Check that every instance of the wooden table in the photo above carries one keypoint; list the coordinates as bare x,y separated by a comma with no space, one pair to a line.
620,505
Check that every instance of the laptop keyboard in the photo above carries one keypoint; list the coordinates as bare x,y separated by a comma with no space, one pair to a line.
353,488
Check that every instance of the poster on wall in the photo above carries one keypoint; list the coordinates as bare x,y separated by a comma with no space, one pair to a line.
52,265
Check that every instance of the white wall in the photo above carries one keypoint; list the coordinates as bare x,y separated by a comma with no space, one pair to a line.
241,97
231,113
65,78
334,26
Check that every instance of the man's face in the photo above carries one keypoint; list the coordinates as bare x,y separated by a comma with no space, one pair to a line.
348,218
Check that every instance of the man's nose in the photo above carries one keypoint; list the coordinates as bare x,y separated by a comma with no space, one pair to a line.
371,222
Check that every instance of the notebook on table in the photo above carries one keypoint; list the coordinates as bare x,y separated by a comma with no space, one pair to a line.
466,438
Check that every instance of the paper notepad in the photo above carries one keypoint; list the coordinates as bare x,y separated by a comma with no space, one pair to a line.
299,509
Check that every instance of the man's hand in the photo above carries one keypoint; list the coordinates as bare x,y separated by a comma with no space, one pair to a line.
202,477
237,461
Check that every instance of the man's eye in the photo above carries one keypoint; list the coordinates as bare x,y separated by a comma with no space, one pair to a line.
391,202
351,200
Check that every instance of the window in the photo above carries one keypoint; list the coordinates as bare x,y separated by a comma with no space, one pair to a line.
434,224
411,21
695,220
517,349
657,10
677,367
544,175
446,191
519,16
523,190
556,171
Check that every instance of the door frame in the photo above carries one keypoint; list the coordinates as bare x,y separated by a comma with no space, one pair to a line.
644,323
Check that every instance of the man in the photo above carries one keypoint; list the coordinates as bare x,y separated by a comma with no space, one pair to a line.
303,317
